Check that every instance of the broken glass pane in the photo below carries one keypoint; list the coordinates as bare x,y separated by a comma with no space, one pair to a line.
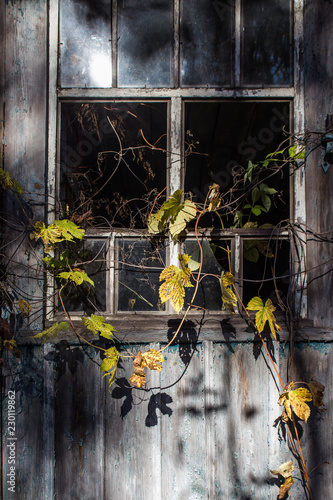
140,263
90,256
220,140
206,42
266,42
215,260
145,37
113,161
85,43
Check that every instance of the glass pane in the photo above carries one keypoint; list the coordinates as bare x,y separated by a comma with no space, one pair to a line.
85,43
266,43
140,263
145,33
223,137
215,260
110,172
206,42
263,260
89,255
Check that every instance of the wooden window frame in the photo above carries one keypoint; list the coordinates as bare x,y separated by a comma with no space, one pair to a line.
176,98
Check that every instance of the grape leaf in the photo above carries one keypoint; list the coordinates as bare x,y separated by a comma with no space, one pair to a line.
77,276
228,296
285,470
265,313
174,281
52,331
98,324
150,359
295,400
109,364
7,181
173,212
59,230
317,391
25,308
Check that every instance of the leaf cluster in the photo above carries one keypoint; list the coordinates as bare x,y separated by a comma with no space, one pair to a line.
59,230
151,359
7,181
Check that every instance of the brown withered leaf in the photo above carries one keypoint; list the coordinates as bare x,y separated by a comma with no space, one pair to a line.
317,391
284,488
152,360
138,379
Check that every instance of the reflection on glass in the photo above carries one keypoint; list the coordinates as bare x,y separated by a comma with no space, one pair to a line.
263,260
92,254
266,43
206,42
109,173
85,43
145,43
228,134
215,260
140,264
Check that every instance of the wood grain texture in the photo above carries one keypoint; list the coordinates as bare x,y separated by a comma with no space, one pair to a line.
318,67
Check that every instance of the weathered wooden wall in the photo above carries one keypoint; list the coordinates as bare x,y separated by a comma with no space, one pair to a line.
318,74
204,428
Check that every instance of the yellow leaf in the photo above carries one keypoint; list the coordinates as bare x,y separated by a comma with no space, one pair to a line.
152,360
295,400
285,470
174,281
25,308
214,197
229,298
265,313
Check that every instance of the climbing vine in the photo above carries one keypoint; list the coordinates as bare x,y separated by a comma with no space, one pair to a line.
251,197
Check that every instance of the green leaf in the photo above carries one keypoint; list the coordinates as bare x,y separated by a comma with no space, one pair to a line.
238,218
229,298
98,324
109,364
7,181
268,190
256,210
266,201
255,195
52,331
251,225
264,314
175,280
250,250
173,213
293,154
77,276
60,230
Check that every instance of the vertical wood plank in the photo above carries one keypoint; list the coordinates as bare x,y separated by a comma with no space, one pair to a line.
48,421
132,437
25,447
79,424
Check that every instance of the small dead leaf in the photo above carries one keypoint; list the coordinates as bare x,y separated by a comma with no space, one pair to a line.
25,308
317,391
295,400
138,379
284,488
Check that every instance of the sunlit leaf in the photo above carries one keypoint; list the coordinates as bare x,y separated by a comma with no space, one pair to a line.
152,360
295,400
229,298
175,280
59,230
284,488
138,379
174,213
77,276
294,154
265,313
25,308
317,391
214,197
52,331
109,364
98,324
285,470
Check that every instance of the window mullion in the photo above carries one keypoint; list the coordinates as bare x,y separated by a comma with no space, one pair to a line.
176,46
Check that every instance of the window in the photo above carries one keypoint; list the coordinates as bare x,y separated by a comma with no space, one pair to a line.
170,95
